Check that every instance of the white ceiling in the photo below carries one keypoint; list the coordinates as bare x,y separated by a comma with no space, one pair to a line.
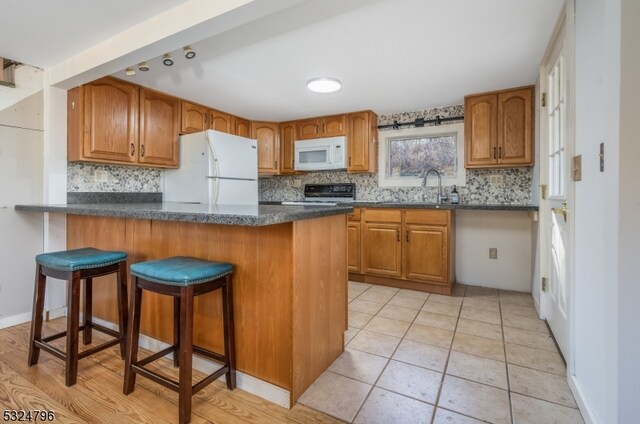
43,33
391,55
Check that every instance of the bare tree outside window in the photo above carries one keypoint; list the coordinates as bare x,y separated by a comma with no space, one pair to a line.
410,157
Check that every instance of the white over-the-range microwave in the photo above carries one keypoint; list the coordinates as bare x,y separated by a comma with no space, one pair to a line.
321,154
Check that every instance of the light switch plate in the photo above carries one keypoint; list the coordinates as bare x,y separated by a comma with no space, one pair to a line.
101,176
493,253
496,179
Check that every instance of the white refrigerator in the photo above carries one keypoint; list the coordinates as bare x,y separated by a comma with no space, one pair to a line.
215,168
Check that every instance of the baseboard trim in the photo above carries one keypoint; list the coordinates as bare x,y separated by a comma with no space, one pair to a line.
26,317
587,413
246,382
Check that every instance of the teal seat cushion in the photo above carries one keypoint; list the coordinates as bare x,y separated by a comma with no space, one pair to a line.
181,270
76,259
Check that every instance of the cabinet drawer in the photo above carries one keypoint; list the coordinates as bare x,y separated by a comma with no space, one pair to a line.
355,215
383,215
431,217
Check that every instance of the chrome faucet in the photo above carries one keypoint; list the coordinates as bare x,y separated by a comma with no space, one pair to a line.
441,198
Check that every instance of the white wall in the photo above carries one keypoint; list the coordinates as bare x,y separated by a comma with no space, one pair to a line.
21,147
629,218
510,233
597,208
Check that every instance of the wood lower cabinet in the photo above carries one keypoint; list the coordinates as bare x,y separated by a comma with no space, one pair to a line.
362,136
267,134
102,122
194,118
499,129
382,249
408,248
159,129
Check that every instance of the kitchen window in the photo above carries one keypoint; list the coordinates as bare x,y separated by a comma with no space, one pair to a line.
405,155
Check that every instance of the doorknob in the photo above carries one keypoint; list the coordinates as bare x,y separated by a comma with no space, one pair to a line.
561,211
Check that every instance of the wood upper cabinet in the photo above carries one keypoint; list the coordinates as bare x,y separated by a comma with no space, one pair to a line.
362,137
243,127
102,122
327,126
222,122
499,129
287,145
159,129
267,134
408,244
515,127
194,118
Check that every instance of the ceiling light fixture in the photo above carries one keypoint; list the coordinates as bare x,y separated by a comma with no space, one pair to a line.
167,60
189,53
324,85
130,72
144,66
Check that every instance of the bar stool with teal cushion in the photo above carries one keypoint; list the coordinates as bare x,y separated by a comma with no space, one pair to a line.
183,278
75,266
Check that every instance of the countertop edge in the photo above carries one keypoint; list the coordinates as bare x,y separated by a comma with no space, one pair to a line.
197,217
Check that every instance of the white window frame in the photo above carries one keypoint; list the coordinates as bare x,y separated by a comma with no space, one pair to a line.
386,180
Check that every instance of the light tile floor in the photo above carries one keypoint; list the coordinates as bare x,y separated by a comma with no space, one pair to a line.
481,355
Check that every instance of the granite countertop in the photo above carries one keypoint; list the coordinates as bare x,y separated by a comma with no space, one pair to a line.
420,205
245,215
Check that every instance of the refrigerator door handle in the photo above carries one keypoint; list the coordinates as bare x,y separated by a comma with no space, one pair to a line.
231,178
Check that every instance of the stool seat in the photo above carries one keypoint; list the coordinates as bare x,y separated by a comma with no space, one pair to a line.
76,259
181,271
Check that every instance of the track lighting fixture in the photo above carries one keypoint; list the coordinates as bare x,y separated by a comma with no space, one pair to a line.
130,72
144,66
167,60
189,53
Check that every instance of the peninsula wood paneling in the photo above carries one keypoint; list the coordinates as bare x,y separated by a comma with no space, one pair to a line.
290,285
319,297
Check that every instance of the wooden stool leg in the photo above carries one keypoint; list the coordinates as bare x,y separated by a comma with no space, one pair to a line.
229,333
73,317
186,346
133,333
88,310
36,319
176,331
123,309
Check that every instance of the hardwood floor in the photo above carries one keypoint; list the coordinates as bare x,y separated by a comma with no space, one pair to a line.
98,398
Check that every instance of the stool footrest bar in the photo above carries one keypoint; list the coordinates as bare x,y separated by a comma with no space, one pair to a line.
209,354
155,356
98,348
212,377
160,379
50,349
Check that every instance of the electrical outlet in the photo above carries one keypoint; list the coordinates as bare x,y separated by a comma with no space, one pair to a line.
496,179
493,253
101,176
297,183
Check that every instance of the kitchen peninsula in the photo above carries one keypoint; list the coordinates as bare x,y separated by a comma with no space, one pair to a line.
290,277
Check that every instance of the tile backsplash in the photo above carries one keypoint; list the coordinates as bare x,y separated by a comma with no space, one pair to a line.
81,177
515,188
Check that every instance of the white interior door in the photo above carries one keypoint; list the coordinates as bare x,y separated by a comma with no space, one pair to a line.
556,148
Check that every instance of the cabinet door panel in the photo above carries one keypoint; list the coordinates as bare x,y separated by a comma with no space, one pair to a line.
159,129
194,118
515,127
287,154
358,145
308,129
353,248
333,126
480,130
243,127
267,135
222,122
110,121
382,249
426,253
